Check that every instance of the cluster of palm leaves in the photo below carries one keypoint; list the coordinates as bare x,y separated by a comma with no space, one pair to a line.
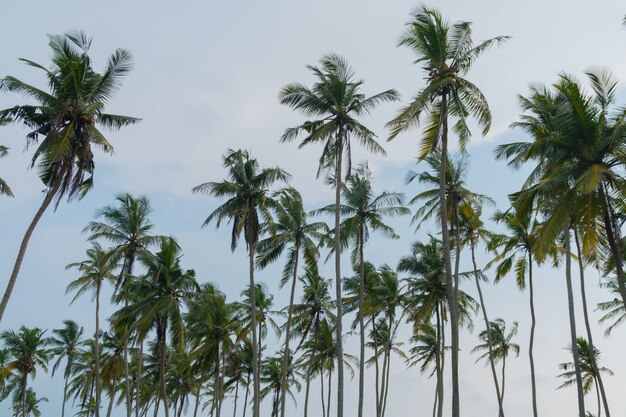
176,346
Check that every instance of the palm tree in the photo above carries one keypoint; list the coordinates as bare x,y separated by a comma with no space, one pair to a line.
333,103
363,211
160,294
272,375
614,309
30,406
498,346
446,53
246,188
426,351
66,342
4,187
514,250
28,348
292,232
590,376
96,270
112,364
65,119
128,228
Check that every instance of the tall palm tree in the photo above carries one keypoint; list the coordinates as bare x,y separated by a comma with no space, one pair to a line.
64,122
248,201
94,272
446,52
294,234
28,348
590,375
4,187
363,212
498,346
333,103
128,228
66,343
158,306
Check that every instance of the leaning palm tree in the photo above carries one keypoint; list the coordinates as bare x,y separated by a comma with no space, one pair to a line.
66,343
333,103
589,374
446,53
128,228
498,346
94,272
296,235
4,187
157,305
28,348
247,190
363,212
63,123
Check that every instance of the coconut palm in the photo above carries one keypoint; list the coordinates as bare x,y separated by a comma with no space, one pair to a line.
94,272
30,406
363,212
426,352
613,309
128,228
590,376
82,385
498,346
65,344
160,293
4,187
294,234
446,52
63,123
272,375
333,103
112,364
248,202
28,349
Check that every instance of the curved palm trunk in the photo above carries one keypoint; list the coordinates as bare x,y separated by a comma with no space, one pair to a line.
533,323
255,348
22,251
492,364
309,371
97,349
503,380
598,398
283,379
339,329
454,323
572,322
594,363
439,363
361,321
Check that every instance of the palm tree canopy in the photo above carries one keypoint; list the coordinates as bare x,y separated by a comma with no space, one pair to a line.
4,187
501,341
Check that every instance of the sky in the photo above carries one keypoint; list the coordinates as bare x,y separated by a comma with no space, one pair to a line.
207,76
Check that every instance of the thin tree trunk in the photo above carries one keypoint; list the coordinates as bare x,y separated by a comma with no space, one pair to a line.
64,396
382,383
503,380
127,382
572,321
24,384
216,388
435,403
454,323
286,354
112,400
533,323
443,362
138,383
339,323
245,400
376,366
322,393
612,236
195,408
438,363
236,398
483,307
330,391
255,348
594,363
162,367
388,367
22,250
361,321
309,371
598,398
97,348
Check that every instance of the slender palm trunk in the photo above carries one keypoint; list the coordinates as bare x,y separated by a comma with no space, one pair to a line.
382,382
64,396
286,354
309,371
338,325
217,394
598,398
435,403
454,323
438,364
23,396
236,398
22,251
533,323
245,399
376,366
322,393
594,363
388,367
443,362
197,405
162,367
138,382
361,320
572,321
483,307
97,349
112,399
330,391
503,380
255,348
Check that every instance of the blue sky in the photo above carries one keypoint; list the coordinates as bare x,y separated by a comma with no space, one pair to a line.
206,79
